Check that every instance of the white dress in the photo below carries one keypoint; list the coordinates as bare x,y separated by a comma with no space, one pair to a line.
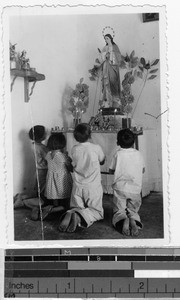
58,180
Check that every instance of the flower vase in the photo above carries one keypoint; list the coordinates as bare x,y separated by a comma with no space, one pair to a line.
126,122
129,123
13,64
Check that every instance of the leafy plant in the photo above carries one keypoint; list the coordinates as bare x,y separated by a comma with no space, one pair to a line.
137,68
146,72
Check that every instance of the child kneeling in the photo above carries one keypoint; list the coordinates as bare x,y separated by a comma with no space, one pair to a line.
59,179
127,166
86,198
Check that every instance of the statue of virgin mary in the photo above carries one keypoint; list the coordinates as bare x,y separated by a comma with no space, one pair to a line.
110,58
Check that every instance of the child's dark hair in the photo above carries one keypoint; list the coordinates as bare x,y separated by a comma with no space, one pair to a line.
82,132
125,138
56,141
37,133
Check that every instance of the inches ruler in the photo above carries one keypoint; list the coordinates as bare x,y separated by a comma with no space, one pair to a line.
92,273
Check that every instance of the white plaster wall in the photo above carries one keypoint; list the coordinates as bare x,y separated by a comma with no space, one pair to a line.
64,48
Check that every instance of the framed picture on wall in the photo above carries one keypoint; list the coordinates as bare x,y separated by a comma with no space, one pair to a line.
149,17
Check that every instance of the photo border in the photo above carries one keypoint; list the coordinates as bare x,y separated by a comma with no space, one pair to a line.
7,124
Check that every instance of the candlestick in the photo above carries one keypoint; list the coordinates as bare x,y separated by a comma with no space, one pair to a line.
115,118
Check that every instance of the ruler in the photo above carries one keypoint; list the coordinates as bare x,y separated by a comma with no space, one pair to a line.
92,272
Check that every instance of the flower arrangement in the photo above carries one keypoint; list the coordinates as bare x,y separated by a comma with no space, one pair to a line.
136,68
18,59
79,100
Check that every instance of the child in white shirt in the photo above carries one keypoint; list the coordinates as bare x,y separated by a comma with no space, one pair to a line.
87,192
127,166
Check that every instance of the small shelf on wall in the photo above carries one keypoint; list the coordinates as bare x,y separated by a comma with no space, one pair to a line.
29,76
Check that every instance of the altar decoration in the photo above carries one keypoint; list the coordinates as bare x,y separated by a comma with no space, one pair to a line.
134,68
24,62
112,122
12,55
18,60
79,101
101,122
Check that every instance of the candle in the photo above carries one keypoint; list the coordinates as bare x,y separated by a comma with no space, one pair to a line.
115,118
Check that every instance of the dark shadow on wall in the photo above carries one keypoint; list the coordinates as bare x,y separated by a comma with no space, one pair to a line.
28,164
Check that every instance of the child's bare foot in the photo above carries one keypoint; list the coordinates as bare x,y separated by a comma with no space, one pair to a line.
58,208
65,222
75,220
35,214
125,229
46,211
134,227
123,226
18,201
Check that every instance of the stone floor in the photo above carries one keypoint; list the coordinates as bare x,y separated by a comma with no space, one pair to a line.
151,213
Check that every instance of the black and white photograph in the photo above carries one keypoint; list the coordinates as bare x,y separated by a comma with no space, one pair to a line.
87,112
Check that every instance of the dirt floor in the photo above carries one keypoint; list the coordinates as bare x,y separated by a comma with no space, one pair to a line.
151,213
